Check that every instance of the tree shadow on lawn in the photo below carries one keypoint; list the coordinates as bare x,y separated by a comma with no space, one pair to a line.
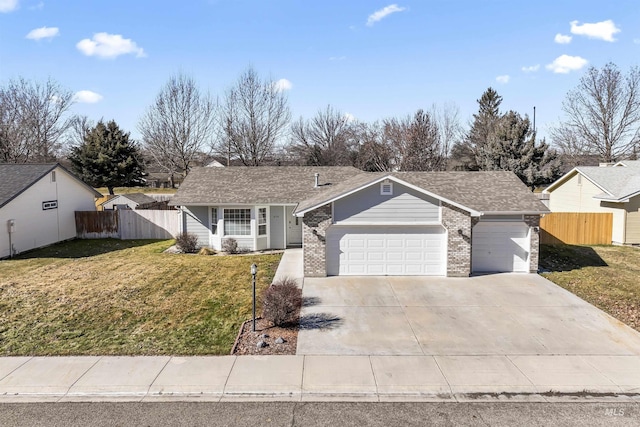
555,258
81,248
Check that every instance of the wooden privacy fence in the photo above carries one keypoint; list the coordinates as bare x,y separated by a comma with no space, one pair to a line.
128,224
576,228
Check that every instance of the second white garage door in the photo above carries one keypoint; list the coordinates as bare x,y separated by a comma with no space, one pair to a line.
386,250
500,247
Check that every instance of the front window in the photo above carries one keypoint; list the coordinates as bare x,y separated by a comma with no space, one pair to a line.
262,221
214,220
237,222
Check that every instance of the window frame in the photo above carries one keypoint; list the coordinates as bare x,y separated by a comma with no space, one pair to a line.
259,221
49,204
213,228
246,222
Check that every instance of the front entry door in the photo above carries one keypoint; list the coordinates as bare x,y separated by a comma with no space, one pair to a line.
294,228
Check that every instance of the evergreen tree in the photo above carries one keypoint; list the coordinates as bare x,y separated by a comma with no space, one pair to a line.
108,158
512,146
484,124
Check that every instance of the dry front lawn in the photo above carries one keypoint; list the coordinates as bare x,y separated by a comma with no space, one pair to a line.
606,276
105,297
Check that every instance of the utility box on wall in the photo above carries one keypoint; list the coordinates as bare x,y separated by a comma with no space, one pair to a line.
11,226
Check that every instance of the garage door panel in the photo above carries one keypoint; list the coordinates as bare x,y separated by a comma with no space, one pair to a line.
386,250
500,246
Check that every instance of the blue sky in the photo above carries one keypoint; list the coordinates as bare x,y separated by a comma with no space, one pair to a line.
371,59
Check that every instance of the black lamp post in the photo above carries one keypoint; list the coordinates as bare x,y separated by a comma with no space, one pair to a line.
254,271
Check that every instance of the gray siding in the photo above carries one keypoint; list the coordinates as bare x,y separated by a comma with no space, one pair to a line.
276,224
404,206
196,221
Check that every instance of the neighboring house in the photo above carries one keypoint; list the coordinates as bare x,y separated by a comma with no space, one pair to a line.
351,222
38,204
127,201
607,188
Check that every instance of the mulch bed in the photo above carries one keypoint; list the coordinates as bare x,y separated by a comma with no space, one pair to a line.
247,341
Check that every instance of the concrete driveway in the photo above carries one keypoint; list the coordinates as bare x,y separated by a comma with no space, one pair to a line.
502,314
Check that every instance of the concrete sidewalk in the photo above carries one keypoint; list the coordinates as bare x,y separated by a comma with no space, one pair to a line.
290,266
321,378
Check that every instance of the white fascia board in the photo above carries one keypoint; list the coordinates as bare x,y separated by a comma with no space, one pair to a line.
569,174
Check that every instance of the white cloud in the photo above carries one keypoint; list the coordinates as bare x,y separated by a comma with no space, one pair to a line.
8,5
636,41
599,30
503,79
564,64
106,45
43,33
282,85
383,13
349,117
562,39
531,68
87,97
38,6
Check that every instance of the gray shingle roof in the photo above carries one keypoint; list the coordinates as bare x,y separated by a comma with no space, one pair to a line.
257,185
139,198
617,181
480,191
485,192
16,178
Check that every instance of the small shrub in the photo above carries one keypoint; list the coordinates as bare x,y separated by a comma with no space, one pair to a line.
230,246
187,243
281,301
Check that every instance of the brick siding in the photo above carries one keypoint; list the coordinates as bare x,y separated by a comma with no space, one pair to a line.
458,224
533,221
314,241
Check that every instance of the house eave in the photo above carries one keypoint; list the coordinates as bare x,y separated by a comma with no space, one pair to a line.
567,176
513,213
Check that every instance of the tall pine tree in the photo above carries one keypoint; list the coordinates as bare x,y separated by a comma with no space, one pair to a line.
511,146
108,158
484,124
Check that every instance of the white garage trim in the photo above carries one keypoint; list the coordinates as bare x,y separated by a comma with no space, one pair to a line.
386,250
500,246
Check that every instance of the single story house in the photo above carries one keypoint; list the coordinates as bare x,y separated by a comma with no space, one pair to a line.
350,222
127,201
607,188
38,204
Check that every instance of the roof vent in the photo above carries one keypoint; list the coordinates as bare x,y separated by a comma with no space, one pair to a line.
317,180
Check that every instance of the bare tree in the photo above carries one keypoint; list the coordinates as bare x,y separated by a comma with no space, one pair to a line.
32,120
416,142
324,139
602,114
450,129
374,153
178,125
253,117
78,127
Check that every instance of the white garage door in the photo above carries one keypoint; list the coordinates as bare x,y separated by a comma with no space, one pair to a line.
500,247
386,250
